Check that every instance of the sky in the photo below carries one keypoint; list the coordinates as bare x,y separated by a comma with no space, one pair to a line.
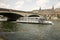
29,5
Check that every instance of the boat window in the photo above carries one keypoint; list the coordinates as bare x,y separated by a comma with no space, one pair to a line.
36,18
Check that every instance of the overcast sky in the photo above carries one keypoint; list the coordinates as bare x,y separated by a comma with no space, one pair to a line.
29,5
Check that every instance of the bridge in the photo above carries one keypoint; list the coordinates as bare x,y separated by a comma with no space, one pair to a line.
13,15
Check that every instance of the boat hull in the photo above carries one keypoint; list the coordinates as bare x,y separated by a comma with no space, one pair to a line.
35,22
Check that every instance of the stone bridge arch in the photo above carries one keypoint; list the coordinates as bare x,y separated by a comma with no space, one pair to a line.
11,16
33,16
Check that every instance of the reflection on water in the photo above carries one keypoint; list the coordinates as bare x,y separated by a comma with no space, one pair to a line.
22,31
8,26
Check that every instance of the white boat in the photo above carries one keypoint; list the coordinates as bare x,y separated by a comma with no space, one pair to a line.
35,20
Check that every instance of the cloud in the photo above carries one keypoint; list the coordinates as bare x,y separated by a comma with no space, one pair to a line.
4,1
29,4
28,1
4,5
41,2
18,4
44,4
57,5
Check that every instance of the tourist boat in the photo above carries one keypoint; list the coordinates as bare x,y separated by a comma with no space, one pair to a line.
34,20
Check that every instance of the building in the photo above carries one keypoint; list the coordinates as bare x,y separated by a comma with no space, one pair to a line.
50,14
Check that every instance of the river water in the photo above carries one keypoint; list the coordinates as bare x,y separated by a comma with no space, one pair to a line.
23,31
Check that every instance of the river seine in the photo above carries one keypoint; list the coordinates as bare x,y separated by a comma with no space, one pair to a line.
23,31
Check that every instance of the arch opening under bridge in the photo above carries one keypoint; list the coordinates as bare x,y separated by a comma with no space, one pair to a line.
33,16
11,16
